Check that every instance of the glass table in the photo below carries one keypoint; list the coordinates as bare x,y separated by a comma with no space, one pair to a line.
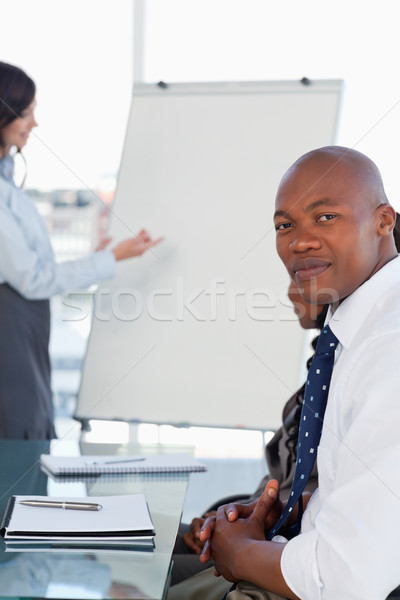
95,574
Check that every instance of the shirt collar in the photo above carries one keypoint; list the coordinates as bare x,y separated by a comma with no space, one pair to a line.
7,168
350,315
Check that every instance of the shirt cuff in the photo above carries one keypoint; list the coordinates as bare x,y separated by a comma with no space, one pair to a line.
105,264
300,568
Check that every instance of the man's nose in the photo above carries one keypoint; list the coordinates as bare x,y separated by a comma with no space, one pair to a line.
305,239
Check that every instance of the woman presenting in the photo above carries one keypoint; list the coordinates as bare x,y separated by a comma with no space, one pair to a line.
29,276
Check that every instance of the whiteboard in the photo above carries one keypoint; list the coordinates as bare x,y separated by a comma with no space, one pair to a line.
200,330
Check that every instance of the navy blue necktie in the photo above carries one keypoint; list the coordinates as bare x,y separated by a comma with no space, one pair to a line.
312,416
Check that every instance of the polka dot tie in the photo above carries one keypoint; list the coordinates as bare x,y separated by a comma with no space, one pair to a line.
311,420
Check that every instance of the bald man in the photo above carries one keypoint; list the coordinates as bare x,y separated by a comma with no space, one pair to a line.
334,234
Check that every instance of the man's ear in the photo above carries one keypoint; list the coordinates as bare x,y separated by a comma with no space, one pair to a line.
386,219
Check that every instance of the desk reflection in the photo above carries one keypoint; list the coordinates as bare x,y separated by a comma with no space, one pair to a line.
47,575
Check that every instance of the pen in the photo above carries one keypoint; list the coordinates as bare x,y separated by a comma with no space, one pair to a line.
113,462
64,505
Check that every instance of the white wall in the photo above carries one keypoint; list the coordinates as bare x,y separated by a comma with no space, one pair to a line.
80,56
354,40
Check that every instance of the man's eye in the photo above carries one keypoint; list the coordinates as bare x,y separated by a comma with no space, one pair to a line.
326,218
282,226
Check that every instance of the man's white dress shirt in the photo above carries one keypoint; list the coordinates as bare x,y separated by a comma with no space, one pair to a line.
349,546
26,257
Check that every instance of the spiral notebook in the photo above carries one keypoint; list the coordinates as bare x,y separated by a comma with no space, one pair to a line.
103,464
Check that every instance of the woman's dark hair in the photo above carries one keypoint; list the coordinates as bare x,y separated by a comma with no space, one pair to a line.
17,91
396,232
